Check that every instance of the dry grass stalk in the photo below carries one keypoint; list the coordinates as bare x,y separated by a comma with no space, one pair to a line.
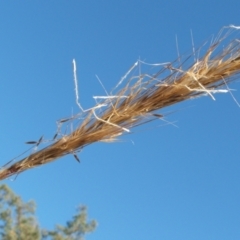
138,101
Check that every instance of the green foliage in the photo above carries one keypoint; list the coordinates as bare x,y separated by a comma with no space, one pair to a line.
18,222
75,229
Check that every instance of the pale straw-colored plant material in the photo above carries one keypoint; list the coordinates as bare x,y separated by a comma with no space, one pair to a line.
140,99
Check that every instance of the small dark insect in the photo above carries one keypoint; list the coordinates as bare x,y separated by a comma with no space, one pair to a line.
35,142
157,115
54,137
31,142
76,157
64,120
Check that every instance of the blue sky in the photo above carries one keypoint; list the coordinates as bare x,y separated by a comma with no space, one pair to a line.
173,182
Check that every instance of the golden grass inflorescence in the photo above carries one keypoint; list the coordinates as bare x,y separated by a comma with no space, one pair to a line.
140,99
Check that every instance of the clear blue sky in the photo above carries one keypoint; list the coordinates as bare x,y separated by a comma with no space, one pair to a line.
172,183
